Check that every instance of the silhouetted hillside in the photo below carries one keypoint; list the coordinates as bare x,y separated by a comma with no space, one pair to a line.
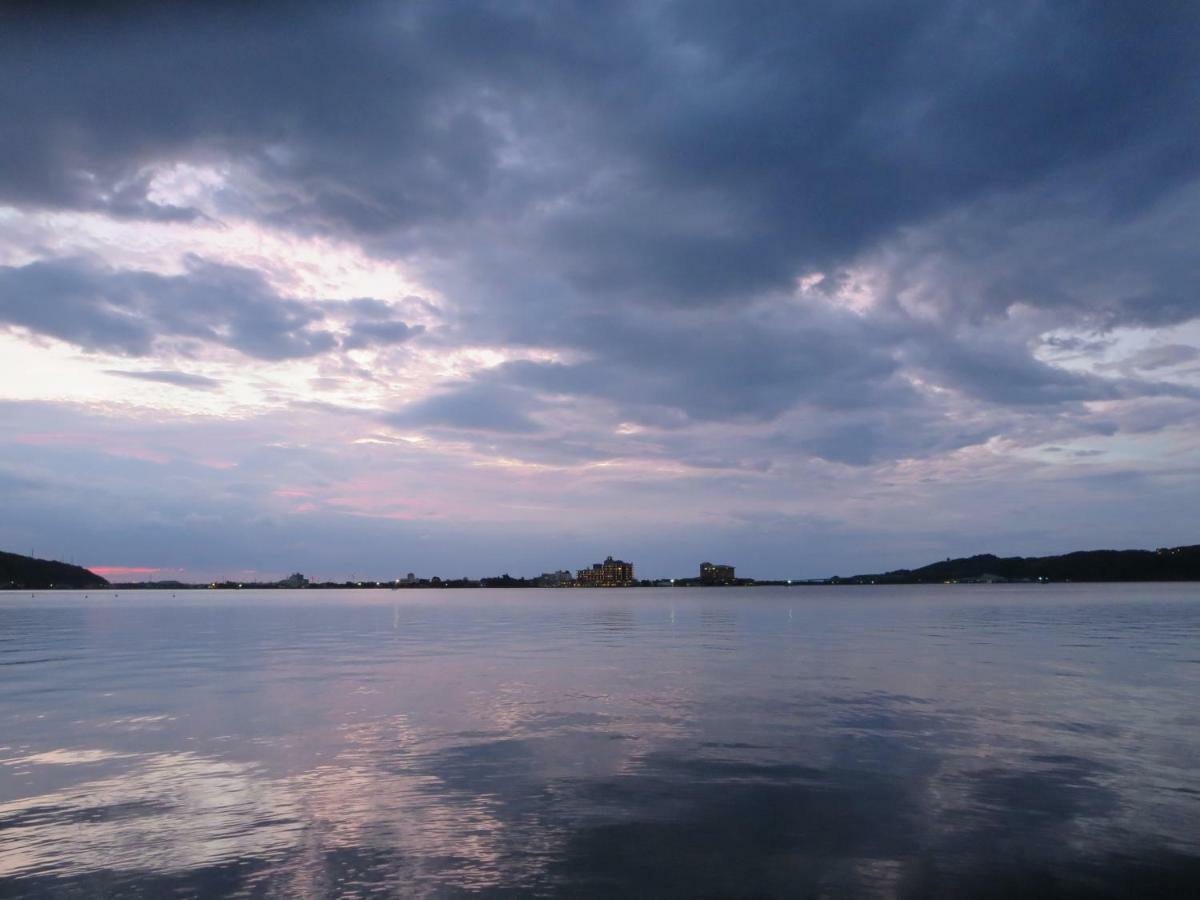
1165,564
28,573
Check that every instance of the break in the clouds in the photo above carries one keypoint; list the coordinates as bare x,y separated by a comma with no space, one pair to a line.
813,285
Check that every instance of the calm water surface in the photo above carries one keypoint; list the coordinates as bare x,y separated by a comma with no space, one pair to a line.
863,742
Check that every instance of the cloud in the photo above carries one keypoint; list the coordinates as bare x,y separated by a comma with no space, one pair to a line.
126,312
179,379
132,312
1008,375
681,153
718,366
881,438
473,407
559,161
373,333
1164,357
142,88
1075,345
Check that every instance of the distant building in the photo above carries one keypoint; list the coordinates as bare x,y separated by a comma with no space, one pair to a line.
610,573
561,578
715,573
295,580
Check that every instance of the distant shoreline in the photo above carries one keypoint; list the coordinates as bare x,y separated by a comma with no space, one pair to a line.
1167,564
144,588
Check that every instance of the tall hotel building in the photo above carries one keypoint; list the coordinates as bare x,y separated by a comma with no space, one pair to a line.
715,573
610,573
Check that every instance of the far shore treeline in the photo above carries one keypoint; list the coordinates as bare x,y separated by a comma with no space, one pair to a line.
1165,564
27,573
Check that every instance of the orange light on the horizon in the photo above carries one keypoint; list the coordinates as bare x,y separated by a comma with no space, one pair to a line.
125,570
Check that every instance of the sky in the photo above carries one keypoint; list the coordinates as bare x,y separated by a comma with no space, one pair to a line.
470,288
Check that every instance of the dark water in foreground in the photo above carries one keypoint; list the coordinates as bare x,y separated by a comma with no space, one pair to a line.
974,741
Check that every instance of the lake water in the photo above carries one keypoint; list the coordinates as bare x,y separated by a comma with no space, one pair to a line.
964,741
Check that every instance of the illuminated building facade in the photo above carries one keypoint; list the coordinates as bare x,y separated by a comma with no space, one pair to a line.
715,573
610,573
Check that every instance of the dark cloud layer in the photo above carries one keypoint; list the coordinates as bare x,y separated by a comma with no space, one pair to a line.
672,153
676,152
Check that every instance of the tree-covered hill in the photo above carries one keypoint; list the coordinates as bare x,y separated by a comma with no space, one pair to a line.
25,572
1165,564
